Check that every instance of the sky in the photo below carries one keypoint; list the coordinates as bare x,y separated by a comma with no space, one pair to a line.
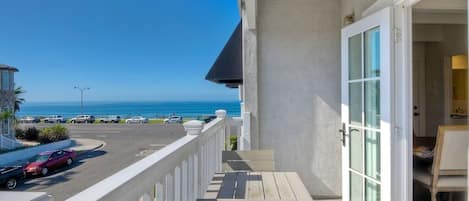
139,50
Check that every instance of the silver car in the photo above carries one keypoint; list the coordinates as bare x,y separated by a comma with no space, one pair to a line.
136,120
54,119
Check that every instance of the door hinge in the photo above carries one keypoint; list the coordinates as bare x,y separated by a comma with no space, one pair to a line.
397,34
397,130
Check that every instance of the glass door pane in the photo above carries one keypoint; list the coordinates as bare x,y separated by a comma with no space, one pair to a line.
372,53
364,116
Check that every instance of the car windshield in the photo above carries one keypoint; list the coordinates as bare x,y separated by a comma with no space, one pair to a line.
40,158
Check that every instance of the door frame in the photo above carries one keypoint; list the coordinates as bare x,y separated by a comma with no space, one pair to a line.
402,101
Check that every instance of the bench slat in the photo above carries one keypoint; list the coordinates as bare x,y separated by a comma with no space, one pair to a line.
228,186
283,186
270,186
254,184
298,187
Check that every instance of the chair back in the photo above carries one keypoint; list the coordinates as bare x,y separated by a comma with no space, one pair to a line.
451,150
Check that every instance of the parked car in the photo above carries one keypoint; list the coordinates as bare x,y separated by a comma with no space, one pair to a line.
110,119
82,119
54,119
9,176
206,119
137,120
29,119
42,163
173,119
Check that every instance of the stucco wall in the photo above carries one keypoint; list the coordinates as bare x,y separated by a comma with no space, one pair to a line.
355,7
298,44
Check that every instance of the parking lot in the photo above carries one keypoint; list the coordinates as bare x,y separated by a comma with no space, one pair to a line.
125,144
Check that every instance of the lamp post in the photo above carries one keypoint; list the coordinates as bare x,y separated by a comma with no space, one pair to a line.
81,90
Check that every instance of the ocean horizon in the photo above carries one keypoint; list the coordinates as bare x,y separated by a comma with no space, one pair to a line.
125,109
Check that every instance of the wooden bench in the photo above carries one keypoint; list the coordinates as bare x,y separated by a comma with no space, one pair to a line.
254,160
257,186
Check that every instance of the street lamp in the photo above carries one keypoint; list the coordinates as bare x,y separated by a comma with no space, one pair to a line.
81,90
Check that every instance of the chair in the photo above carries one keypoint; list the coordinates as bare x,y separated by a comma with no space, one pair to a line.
449,168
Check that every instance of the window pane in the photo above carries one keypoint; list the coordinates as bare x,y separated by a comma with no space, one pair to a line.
5,80
356,149
356,187
372,104
355,103
372,53
355,57
372,191
372,155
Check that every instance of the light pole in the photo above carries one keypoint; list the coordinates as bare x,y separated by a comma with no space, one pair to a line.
81,90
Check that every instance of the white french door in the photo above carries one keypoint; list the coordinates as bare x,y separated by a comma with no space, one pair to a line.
366,108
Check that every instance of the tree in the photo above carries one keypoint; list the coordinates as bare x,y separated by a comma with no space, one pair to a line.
5,115
18,99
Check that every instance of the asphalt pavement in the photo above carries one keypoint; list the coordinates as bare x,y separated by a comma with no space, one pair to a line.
124,145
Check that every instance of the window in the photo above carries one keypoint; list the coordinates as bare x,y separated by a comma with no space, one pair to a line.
5,80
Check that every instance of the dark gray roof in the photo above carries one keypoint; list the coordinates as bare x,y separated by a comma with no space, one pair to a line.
228,68
7,67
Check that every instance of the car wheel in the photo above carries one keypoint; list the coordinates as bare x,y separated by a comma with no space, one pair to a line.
44,171
11,184
69,161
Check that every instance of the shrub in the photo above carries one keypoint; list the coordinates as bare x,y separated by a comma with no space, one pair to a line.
19,133
53,134
31,134
234,142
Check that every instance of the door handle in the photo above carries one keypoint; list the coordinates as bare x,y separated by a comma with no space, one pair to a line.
343,132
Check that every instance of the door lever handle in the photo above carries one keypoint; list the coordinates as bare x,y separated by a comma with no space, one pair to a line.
343,132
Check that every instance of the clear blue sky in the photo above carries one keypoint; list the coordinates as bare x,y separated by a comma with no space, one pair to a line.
149,50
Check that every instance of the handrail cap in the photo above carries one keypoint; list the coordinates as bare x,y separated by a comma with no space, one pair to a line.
221,114
194,127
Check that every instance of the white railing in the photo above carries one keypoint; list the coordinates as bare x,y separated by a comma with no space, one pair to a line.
180,171
8,143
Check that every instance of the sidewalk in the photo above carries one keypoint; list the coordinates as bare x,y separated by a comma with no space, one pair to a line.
83,145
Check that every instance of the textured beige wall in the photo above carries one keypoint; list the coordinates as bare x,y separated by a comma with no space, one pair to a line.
355,7
298,45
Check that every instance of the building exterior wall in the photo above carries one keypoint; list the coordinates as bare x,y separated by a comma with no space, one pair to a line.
292,88
355,8
7,102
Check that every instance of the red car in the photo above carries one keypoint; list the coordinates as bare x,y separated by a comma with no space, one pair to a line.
49,160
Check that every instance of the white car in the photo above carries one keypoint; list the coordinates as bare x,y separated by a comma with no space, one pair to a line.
136,120
173,119
28,120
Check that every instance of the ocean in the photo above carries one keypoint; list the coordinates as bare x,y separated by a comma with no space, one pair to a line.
128,109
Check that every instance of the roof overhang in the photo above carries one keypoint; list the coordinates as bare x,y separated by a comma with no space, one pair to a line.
8,68
228,67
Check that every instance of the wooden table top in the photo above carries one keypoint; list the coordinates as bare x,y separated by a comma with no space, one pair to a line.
257,186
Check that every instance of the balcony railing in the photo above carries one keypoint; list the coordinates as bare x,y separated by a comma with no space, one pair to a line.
180,171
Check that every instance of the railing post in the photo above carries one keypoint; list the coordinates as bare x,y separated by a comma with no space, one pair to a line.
245,141
222,140
193,127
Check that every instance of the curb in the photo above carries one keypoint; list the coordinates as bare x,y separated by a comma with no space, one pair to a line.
81,152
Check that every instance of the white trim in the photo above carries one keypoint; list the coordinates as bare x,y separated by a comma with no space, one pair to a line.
403,103
250,7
